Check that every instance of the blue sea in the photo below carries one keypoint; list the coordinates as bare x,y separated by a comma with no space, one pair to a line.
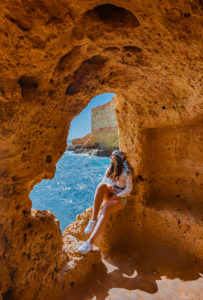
72,189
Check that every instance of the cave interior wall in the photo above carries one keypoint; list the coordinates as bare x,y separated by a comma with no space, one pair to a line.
54,59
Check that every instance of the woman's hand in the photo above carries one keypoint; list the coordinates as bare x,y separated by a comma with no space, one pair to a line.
111,189
115,197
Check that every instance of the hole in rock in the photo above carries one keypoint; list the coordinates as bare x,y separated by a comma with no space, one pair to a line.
87,72
115,16
28,84
93,134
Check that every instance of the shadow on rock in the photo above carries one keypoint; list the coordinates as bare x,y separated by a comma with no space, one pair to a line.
136,266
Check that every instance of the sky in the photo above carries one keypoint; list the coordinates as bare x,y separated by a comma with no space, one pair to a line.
81,125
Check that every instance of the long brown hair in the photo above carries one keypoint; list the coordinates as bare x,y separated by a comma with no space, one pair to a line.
115,169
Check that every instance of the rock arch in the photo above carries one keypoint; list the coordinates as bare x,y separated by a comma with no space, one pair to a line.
55,59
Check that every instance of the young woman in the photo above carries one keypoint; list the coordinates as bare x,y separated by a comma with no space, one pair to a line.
114,188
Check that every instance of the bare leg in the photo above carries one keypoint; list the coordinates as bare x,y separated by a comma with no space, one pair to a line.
101,192
109,207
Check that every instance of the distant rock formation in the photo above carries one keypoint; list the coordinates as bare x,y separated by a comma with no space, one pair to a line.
104,136
86,141
104,126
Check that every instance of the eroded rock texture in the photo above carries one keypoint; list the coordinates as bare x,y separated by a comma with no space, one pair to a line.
55,56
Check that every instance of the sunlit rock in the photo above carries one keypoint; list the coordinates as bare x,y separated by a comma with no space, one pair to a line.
55,56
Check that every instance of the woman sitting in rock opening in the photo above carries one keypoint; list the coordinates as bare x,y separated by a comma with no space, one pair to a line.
116,185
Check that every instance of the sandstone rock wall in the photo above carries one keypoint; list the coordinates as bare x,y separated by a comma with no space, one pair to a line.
55,56
104,126
173,157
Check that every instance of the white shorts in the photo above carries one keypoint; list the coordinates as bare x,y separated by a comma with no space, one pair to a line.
117,190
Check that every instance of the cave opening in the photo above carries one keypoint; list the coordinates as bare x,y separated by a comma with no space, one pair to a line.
82,165
47,75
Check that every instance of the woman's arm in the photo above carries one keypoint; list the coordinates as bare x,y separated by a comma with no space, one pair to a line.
129,186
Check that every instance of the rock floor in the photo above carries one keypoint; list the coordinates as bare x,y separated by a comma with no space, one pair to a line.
143,270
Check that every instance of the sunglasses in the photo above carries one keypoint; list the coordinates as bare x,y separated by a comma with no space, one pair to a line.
117,152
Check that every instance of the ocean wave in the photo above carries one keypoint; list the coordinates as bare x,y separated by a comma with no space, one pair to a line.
72,189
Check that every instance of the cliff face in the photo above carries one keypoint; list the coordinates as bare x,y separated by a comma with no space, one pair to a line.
55,56
104,133
104,126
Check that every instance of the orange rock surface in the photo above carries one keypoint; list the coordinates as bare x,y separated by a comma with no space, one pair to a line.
55,56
